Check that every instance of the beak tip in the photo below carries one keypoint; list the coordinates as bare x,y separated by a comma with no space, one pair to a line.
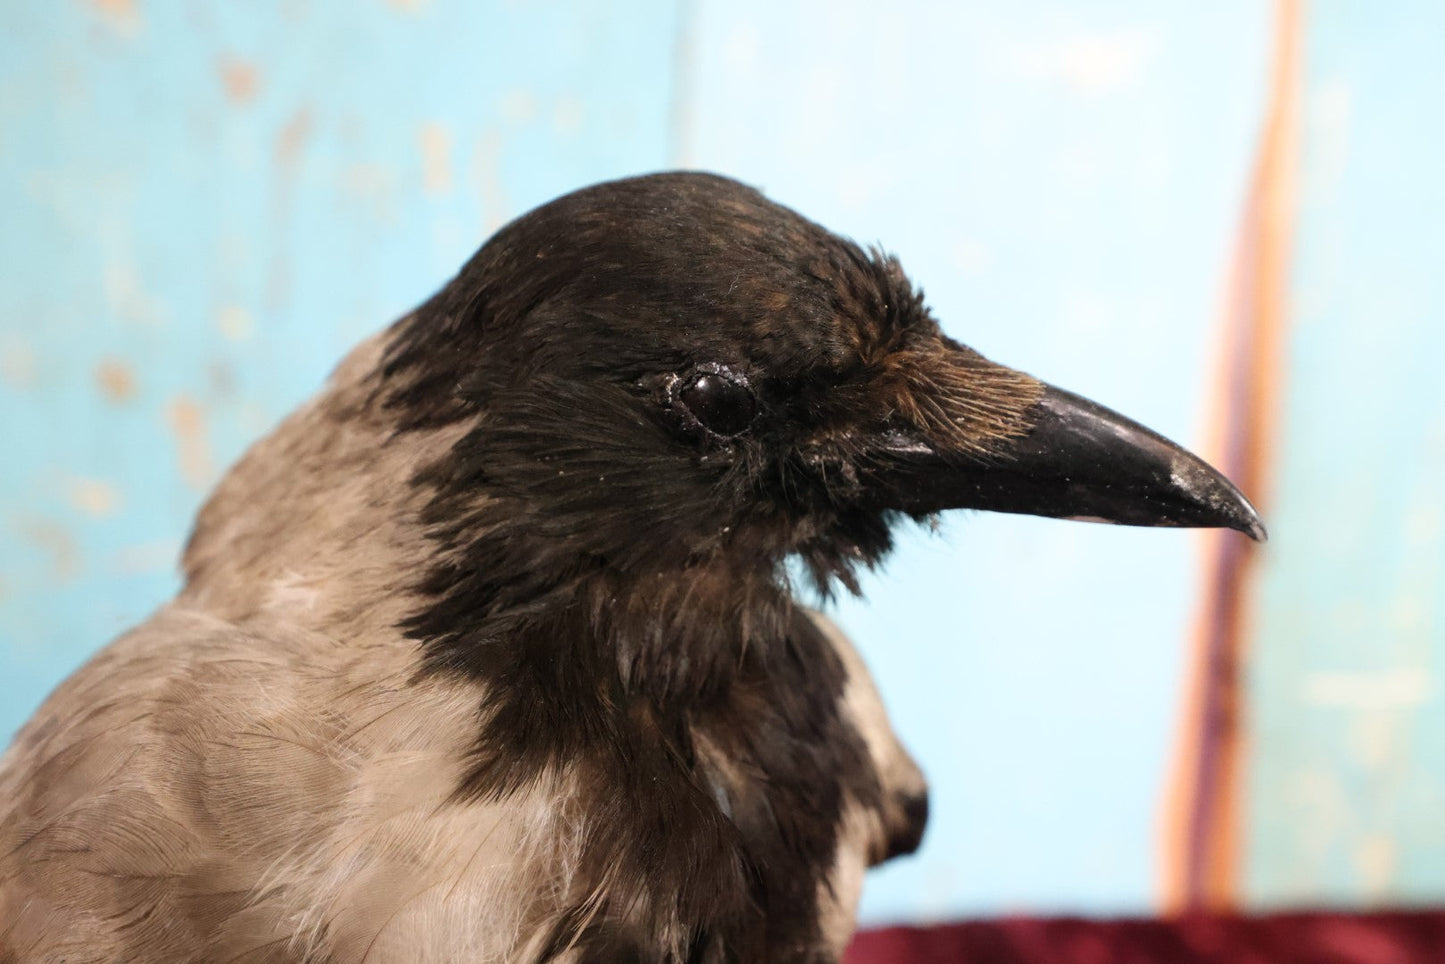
1243,517
1255,529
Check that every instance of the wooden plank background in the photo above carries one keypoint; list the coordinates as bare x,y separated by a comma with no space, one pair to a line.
204,205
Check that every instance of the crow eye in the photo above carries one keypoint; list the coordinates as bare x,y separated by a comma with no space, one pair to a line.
717,398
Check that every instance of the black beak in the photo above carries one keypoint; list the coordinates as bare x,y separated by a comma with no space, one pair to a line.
1078,461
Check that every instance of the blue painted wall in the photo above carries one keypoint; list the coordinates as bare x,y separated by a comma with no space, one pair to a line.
204,205
1347,789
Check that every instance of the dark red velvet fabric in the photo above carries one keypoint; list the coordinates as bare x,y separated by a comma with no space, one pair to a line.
1405,937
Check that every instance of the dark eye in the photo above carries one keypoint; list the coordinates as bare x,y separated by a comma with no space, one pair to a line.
718,398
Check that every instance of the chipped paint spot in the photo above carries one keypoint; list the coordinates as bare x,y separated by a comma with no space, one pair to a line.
115,380
124,15
409,6
94,497
1376,858
239,79
188,425
286,155
235,323
51,537
292,139
17,361
436,158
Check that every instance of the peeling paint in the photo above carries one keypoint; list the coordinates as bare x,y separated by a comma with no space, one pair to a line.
124,15
436,157
188,426
286,155
115,380
1376,859
94,497
240,80
293,138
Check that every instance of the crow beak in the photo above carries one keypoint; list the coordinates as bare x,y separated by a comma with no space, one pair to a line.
1079,460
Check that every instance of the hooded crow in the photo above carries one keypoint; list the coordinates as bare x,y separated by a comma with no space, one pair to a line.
490,652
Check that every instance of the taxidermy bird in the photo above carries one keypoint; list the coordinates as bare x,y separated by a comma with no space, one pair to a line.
490,653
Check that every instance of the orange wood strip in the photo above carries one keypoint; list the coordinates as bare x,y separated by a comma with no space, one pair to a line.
1202,822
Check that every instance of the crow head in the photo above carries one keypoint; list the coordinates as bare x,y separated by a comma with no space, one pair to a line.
672,370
